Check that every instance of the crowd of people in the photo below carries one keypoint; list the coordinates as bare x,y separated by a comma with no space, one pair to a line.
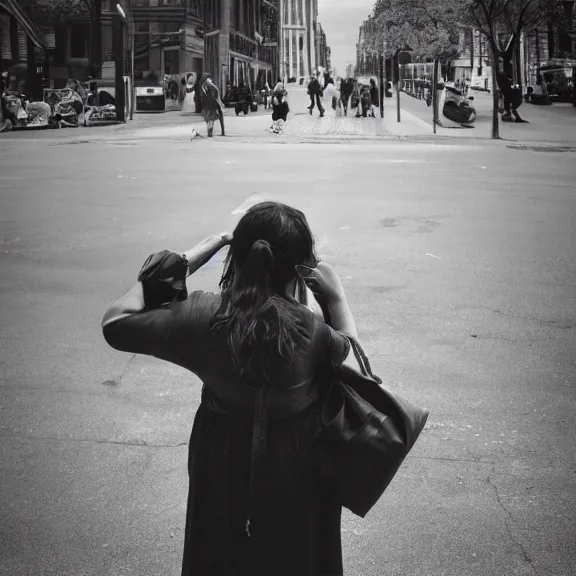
342,95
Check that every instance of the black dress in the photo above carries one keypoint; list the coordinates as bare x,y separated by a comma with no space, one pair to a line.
294,514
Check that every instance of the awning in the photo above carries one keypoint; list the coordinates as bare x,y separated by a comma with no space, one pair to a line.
12,7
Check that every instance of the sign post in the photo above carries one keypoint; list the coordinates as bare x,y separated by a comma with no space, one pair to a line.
381,85
280,20
435,94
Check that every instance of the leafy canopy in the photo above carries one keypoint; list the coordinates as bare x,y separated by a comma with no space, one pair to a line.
430,27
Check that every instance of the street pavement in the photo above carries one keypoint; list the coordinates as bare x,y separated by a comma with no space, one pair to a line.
460,267
554,124
551,126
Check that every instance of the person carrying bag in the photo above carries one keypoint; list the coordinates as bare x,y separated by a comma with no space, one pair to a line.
365,432
291,425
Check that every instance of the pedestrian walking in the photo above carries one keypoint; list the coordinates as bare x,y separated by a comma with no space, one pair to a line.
266,95
346,89
212,106
256,505
512,95
280,108
374,97
315,92
189,104
245,98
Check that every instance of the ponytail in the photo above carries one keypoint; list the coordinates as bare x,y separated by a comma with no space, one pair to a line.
260,325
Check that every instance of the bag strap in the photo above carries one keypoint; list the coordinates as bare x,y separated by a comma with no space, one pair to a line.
362,360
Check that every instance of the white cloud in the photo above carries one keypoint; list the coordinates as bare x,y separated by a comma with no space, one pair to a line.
341,20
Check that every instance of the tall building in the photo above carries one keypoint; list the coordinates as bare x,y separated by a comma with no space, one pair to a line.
366,55
321,49
234,40
246,43
299,23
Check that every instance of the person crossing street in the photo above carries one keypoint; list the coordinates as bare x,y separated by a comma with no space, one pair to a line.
315,92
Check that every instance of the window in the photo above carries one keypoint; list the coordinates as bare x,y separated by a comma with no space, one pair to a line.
6,45
79,34
195,8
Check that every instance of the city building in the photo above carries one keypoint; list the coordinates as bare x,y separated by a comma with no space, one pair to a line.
22,49
322,50
235,40
304,49
367,56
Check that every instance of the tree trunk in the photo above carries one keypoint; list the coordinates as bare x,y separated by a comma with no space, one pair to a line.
495,119
471,52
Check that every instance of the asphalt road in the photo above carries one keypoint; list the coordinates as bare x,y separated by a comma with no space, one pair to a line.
459,262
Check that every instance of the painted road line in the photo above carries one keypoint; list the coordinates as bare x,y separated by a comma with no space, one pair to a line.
248,203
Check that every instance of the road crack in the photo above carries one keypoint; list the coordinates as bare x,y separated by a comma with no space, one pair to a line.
507,520
130,360
554,323
140,443
442,459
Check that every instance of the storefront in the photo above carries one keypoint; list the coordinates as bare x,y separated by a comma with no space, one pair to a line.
22,50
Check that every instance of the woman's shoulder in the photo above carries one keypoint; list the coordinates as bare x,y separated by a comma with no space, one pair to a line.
204,300
202,306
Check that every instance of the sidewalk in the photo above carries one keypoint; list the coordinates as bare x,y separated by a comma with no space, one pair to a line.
551,125
548,124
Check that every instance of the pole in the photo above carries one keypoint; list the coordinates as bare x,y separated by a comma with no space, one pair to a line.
119,96
132,74
281,56
381,85
435,94
495,100
398,119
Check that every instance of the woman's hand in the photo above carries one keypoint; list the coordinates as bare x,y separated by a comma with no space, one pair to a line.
226,238
322,280
205,250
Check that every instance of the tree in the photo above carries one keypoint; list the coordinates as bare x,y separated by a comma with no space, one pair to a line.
561,13
430,27
503,22
50,13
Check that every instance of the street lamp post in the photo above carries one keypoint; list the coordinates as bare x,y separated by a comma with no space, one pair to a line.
281,55
381,62
120,93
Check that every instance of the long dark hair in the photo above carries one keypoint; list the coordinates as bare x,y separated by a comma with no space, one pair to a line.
260,323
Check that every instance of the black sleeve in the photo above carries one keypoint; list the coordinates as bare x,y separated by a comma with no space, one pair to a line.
334,345
170,333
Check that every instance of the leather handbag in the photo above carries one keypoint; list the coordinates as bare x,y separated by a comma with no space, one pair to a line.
163,278
365,433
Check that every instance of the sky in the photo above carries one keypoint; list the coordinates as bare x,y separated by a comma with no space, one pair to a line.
341,20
